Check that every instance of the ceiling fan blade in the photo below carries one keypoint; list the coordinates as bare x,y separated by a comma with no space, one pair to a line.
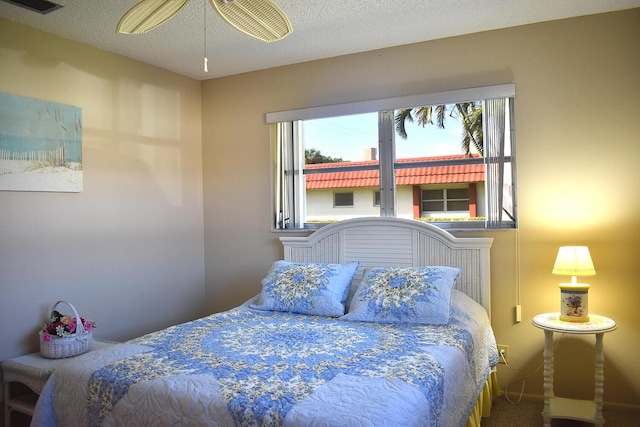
261,19
147,15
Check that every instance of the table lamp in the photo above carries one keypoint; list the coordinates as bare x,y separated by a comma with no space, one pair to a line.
574,297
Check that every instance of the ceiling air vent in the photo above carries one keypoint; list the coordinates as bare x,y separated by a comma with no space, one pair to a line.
40,6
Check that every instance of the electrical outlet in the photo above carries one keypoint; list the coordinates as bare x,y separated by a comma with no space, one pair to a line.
503,352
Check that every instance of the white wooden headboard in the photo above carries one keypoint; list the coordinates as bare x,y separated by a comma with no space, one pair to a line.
396,242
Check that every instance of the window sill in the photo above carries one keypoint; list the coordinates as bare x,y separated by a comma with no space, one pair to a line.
448,226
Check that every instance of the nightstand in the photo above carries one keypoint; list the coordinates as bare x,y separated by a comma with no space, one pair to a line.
574,409
32,370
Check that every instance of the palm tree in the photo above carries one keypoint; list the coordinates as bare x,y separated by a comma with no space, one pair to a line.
469,113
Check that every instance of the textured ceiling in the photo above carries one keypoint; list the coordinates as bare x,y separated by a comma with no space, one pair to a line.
321,29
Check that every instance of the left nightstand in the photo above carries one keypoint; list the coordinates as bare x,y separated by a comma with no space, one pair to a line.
32,370
558,407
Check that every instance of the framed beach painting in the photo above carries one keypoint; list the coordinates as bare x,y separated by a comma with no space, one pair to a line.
40,145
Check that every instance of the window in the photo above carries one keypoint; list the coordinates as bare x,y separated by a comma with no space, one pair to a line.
457,200
342,199
446,157
445,200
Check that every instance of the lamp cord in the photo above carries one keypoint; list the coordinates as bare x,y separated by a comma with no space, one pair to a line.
523,379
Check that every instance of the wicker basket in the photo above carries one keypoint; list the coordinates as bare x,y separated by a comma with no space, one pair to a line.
61,347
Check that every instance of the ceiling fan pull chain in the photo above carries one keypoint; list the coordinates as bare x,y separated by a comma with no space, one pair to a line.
206,61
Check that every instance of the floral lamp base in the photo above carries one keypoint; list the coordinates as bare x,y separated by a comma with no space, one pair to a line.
574,302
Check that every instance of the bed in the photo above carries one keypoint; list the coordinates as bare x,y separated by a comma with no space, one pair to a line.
365,322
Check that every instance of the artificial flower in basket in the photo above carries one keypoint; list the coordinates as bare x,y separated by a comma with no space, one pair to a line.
65,335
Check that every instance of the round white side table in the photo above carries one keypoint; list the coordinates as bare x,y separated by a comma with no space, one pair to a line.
574,409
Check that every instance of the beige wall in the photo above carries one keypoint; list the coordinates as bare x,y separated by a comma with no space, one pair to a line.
577,158
127,251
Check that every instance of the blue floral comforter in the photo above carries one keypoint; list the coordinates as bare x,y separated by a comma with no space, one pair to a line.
254,368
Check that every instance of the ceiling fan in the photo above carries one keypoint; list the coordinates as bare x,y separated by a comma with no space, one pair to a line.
261,19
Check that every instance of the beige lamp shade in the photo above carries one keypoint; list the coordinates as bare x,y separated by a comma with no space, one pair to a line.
574,261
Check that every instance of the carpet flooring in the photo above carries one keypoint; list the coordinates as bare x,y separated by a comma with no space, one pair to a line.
529,414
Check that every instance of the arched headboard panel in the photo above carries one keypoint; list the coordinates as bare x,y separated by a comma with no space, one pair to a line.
389,242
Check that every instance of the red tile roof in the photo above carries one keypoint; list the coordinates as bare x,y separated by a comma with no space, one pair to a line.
409,176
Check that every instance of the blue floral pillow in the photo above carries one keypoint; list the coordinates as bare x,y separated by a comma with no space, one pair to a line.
404,295
306,288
